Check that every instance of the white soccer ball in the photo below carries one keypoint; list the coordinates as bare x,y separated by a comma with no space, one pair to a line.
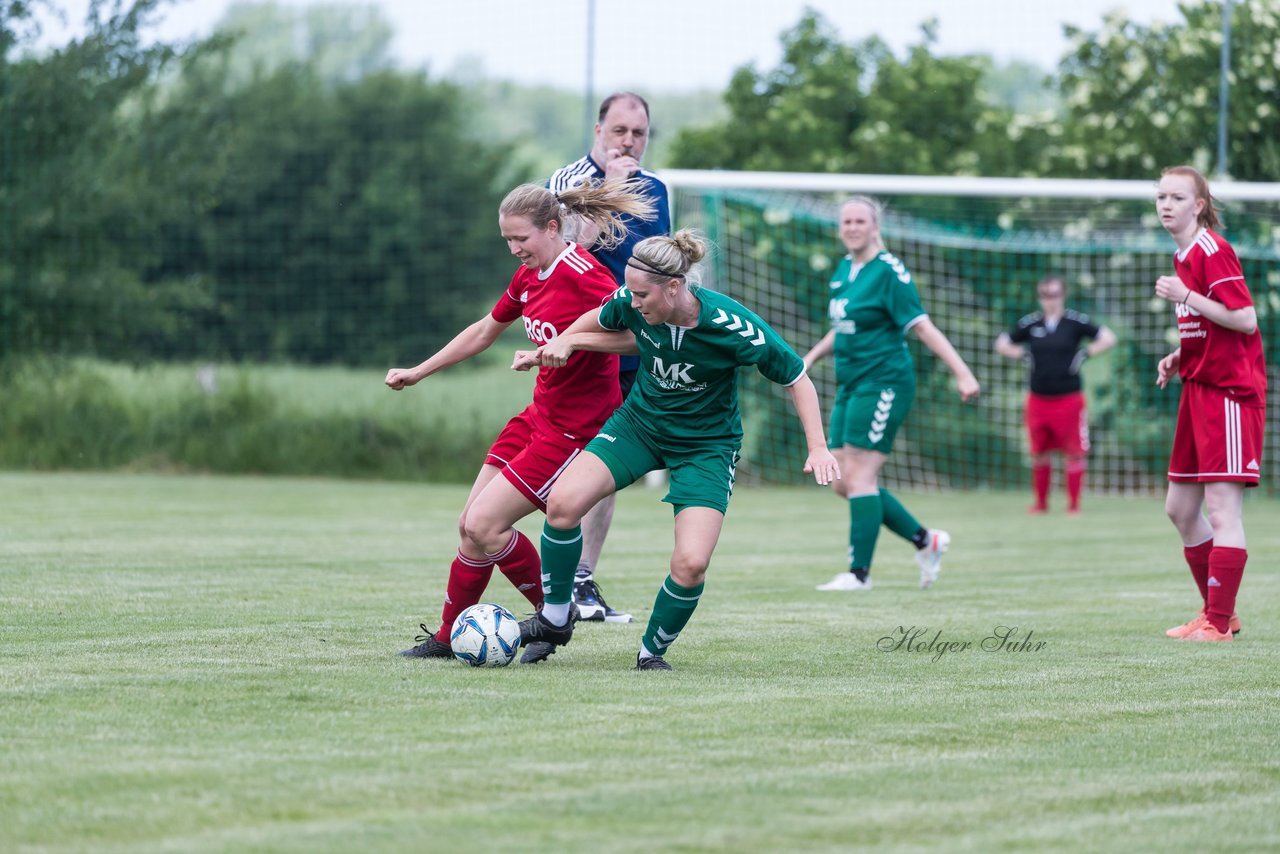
485,635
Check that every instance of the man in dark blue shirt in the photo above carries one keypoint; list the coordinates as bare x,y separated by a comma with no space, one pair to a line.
621,136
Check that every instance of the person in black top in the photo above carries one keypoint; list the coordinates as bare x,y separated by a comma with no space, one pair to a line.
1055,412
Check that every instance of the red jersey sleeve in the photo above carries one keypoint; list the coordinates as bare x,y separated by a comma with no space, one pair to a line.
509,307
1223,278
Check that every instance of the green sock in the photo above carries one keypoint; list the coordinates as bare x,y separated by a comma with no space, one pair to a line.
898,518
865,515
671,610
560,553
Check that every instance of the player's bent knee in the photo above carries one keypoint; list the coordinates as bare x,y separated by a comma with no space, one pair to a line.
689,571
565,513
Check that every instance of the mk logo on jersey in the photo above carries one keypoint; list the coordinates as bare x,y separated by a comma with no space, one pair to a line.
673,376
539,331
733,323
838,311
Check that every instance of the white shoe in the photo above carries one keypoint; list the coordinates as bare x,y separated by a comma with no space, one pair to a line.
846,581
930,557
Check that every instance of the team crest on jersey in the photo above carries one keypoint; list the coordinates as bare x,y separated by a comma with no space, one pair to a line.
742,326
838,311
675,377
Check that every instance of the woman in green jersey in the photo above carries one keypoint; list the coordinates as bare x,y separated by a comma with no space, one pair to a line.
682,415
873,303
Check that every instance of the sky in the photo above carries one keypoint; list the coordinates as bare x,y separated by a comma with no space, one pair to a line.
675,45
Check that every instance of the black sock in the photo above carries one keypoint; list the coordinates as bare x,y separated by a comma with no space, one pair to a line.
860,572
920,538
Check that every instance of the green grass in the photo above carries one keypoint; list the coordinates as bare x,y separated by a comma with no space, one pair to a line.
207,664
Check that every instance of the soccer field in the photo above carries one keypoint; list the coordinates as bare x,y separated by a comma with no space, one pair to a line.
208,664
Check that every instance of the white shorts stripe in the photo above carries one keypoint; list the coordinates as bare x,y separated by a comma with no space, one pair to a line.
546,489
1231,428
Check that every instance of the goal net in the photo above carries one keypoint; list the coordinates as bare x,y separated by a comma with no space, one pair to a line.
976,249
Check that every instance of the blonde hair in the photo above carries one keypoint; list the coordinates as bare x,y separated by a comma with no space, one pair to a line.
662,257
600,204
873,204
1208,217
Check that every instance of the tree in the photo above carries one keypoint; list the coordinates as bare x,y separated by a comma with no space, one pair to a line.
1140,97
66,282
836,107
161,203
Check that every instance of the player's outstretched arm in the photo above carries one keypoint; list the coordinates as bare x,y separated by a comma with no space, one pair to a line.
820,462
932,337
820,350
475,339
586,333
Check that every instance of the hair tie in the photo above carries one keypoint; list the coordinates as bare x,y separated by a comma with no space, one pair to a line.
646,267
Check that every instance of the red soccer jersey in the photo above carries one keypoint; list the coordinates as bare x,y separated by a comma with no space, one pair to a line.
1212,354
577,399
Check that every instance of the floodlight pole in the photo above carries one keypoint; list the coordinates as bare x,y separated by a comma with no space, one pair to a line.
1224,88
588,123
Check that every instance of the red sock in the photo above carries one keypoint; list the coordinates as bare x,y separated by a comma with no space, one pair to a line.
1041,474
1198,559
1075,482
1226,567
468,577
522,566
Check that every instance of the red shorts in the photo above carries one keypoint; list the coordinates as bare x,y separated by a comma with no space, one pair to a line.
532,458
1058,423
1216,438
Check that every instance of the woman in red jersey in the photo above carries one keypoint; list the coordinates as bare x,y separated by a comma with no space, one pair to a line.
556,283
1217,445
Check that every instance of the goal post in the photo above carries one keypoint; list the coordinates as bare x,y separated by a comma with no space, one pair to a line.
976,248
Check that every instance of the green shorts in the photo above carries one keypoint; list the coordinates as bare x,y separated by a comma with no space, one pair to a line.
868,415
698,476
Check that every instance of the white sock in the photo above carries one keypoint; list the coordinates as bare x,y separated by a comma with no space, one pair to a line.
557,615
644,653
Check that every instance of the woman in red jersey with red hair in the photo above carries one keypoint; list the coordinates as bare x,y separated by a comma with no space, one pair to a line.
1217,445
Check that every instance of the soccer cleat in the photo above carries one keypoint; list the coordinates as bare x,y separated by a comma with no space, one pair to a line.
1037,510
536,651
591,604
1182,631
540,637
1206,632
929,558
428,646
846,581
653,662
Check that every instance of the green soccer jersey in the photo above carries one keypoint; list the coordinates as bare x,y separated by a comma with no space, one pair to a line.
687,388
871,308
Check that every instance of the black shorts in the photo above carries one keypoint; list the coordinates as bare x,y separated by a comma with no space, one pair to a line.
626,379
